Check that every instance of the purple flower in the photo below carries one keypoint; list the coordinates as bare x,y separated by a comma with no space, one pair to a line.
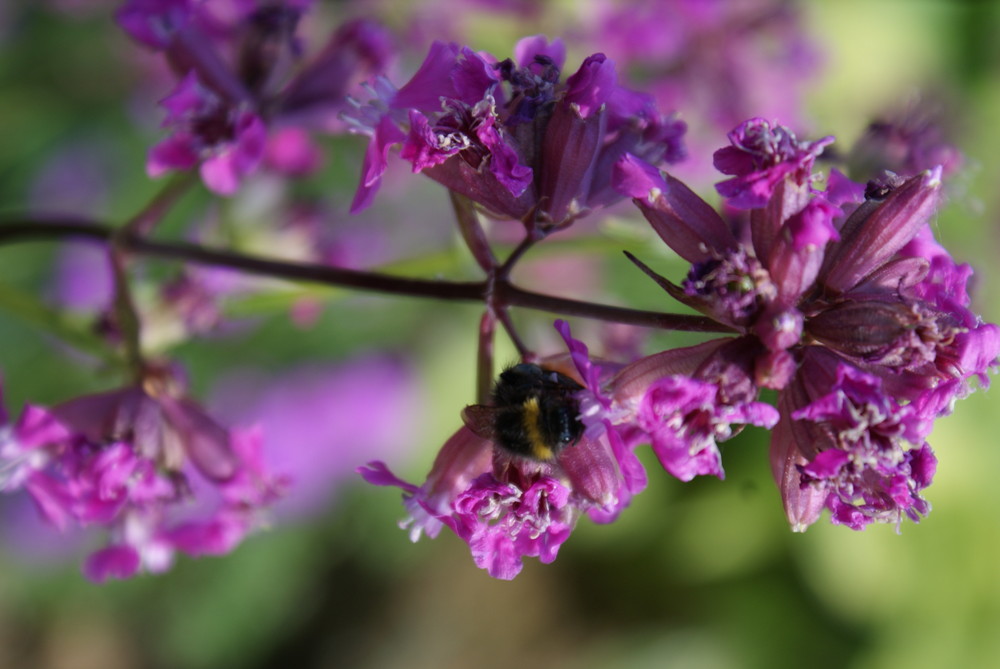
320,422
685,418
157,421
227,141
507,507
763,155
862,466
504,522
130,462
718,62
27,449
685,401
732,286
818,282
238,79
510,136
147,525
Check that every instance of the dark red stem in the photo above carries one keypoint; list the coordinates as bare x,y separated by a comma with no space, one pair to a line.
504,293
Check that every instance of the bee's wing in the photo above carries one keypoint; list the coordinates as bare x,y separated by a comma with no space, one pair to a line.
481,419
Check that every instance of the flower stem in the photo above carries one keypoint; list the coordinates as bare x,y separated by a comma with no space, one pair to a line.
151,215
505,294
126,316
504,271
472,231
527,355
484,357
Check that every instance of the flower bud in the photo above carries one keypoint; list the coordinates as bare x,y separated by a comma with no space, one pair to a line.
872,235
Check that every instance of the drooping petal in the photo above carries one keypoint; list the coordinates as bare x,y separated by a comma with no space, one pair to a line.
205,442
375,163
803,504
569,150
590,87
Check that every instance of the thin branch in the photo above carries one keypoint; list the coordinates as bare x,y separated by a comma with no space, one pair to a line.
150,216
508,265
484,357
472,231
512,295
504,294
126,315
281,269
527,355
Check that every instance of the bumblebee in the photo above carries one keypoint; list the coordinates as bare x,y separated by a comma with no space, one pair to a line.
534,413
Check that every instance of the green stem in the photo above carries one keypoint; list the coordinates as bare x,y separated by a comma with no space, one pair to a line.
126,315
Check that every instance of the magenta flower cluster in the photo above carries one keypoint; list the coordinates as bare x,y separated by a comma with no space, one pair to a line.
842,310
510,135
507,508
841,301
144,464
829,295
244,97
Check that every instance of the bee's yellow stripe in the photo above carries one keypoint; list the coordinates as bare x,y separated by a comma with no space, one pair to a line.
539,449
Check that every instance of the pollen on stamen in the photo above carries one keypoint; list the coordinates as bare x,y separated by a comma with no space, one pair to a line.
933,179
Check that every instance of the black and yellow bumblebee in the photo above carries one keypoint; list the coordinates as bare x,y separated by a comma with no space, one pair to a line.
534,413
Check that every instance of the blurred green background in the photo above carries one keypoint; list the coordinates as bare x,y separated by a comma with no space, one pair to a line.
703,575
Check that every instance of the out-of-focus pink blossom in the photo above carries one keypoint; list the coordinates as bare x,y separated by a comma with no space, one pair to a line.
320,422
130,462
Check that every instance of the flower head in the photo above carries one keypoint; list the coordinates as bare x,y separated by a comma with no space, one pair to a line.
862,465
227,141
685,419
763,155
130,462
243,84
507,506
686,401
845,303
510,136
906,142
